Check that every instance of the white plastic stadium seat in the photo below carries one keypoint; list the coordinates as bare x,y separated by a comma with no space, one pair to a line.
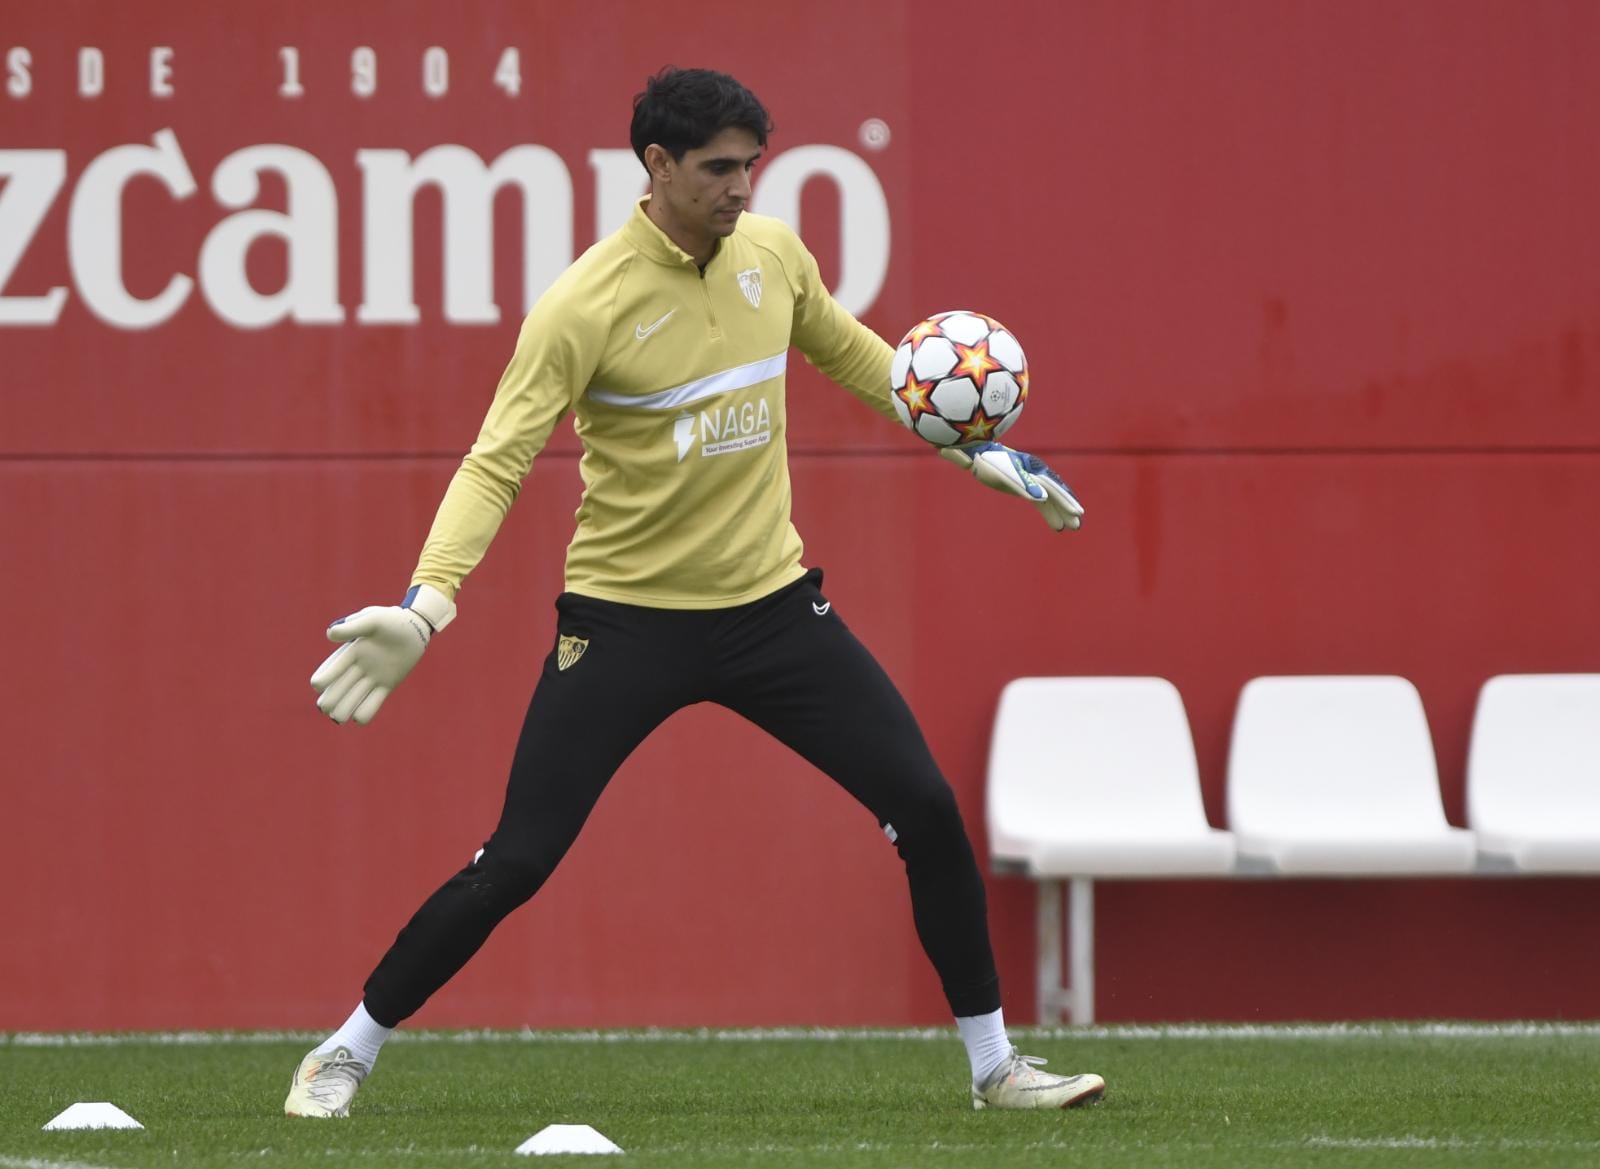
1533,773
1094,777
1097,777
1336,776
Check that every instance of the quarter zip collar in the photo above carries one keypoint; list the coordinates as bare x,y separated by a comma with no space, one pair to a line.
653,243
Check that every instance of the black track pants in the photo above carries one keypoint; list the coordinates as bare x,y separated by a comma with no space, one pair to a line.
788,664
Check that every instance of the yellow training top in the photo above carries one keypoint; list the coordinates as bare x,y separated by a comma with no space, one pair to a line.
676,378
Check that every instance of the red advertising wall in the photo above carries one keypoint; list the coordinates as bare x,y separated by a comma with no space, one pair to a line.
1312,299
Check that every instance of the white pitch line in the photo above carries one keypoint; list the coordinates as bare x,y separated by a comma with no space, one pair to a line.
1416,1142
1286,1031
1460,1030
41,1163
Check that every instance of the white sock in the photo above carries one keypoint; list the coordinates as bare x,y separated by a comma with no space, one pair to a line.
987,1044
361,1035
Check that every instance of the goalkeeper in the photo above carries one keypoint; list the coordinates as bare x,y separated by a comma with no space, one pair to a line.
684,581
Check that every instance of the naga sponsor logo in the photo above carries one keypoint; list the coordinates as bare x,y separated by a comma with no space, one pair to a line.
307,229
723,430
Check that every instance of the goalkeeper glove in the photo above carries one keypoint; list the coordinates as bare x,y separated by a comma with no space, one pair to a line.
1004,469
381,644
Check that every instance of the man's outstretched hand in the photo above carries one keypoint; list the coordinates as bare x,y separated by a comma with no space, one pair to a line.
381,644
1016,473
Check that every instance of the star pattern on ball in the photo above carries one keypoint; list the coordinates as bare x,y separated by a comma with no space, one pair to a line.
914,394
975,363
928,328
978,428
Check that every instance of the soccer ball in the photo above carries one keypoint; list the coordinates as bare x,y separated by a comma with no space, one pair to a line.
959,377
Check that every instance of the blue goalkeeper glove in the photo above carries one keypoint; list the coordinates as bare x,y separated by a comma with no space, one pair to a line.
998,466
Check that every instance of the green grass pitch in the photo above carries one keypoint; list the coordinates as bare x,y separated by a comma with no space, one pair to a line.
1193,1098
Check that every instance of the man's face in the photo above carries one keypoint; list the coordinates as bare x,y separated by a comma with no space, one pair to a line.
708,188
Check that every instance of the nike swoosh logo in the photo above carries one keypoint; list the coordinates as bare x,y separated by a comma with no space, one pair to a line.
640,332
822,609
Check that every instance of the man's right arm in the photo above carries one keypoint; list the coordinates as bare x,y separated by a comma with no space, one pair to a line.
557,351
554,360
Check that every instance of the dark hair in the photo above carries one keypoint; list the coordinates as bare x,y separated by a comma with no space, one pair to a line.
683,109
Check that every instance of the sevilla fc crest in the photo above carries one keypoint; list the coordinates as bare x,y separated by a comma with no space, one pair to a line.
569,650
750,285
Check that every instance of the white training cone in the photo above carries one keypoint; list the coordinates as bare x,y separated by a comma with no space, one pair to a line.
98,1114
566,1138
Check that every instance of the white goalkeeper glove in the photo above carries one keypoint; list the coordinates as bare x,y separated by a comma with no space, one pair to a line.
1016,473
381,644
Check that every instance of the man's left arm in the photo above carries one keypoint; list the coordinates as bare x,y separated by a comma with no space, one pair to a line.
859,360
838,344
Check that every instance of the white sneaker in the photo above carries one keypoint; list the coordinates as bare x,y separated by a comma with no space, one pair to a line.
324,1084
1018,1083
